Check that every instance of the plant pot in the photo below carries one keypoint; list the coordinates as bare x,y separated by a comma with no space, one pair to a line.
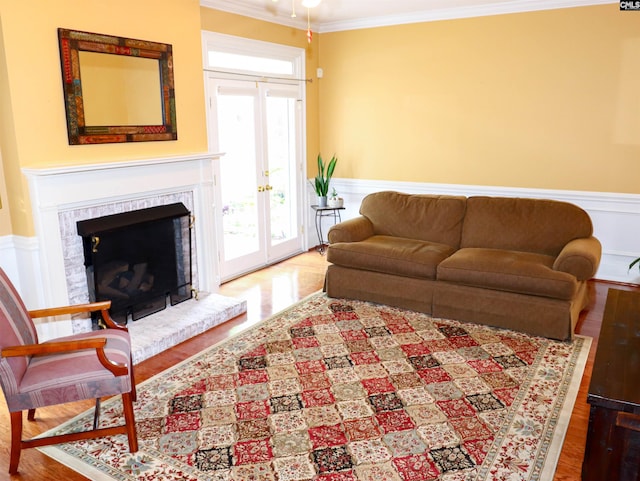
335,202
322,201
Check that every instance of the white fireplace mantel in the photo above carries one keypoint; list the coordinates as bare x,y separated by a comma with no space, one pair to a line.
59,190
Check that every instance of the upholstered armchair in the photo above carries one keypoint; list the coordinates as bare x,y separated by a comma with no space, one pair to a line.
89,365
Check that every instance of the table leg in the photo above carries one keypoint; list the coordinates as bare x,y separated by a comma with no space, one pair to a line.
319,231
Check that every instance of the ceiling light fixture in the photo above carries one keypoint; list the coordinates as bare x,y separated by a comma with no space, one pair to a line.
308,4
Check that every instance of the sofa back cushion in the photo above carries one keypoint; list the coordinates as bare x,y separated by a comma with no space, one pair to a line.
527,225
435,218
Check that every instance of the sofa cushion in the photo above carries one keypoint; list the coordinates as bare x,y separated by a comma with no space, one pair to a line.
513,271
528,225
434,218
391,255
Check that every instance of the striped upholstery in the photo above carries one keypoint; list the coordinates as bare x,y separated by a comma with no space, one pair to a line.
16,329
31,382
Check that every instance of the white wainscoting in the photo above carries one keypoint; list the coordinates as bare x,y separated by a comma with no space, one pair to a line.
36,267
19,258
616,217
8,258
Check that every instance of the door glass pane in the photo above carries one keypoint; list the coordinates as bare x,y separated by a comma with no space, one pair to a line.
249,63
281,142
236,121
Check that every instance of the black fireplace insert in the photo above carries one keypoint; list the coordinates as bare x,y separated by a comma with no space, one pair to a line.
139,259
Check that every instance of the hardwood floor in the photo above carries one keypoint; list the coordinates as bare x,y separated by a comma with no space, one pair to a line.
268,291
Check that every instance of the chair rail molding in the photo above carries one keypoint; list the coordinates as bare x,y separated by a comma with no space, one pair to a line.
36,265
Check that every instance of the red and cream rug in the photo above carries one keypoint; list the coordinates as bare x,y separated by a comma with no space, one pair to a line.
337,390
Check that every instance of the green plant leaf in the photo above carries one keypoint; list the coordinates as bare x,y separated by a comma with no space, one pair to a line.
331,167
321,184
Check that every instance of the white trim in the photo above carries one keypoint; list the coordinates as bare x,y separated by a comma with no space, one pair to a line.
230,43
254,11
221,42
258,11
616,219
19,258
452,13
8,260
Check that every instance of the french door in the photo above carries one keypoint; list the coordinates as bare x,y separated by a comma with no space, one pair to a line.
257,197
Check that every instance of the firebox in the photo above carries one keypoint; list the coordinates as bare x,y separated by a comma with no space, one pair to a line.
138,259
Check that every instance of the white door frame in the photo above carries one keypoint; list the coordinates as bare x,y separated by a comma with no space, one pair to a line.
293,56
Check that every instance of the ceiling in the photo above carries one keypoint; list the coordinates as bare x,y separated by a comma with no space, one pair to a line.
337,15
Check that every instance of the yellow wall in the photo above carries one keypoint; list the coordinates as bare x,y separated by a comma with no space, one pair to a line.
543,99
5,217
5,131
539,100
33,132
230,24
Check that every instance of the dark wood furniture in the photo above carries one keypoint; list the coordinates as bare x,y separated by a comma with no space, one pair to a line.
613,438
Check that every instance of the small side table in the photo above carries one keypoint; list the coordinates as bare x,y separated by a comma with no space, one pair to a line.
325,212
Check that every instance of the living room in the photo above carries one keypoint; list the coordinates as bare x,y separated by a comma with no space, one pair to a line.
534,104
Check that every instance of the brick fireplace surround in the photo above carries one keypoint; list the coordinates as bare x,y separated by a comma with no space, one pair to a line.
60,197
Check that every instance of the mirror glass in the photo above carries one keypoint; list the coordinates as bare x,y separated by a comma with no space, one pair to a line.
116,89
120,90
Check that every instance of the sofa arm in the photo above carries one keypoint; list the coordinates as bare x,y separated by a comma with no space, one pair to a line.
352,230
580,257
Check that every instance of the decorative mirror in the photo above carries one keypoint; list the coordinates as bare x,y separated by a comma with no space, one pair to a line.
116,89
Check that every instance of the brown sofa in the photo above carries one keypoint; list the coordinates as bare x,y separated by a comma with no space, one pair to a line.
515,263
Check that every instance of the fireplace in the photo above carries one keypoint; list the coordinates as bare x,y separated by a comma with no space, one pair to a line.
138,259
53,267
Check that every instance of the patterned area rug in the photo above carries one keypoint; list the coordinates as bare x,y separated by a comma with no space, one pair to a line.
336,390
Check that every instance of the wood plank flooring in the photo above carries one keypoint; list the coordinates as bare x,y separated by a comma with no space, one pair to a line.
268,291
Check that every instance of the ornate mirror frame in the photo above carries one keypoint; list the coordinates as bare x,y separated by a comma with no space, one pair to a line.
72,42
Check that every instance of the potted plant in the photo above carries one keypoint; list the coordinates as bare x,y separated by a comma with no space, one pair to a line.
321,184
334,200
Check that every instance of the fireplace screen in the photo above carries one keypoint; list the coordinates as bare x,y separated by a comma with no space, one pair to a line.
138,259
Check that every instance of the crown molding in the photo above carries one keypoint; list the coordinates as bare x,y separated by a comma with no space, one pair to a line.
431,15
253,11
495,8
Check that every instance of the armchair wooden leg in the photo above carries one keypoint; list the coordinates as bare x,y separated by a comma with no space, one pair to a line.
16,440
134,394
96,414
130,421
